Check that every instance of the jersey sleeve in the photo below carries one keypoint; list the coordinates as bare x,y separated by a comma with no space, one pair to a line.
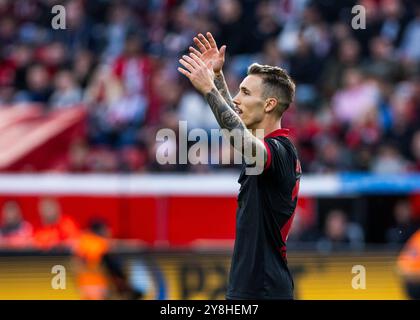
279,160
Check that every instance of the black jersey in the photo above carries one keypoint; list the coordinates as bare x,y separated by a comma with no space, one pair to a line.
266,205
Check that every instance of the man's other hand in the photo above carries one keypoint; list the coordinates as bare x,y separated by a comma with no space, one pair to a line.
208,51
199,73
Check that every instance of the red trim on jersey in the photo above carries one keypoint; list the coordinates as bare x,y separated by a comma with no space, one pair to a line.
297,185
284,231
283,252
268,163
295,190
278,133
286,228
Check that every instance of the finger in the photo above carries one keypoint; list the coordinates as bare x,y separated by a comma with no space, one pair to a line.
222,51
191,60
211,40
184,72
196,59
195,51
189,67
199,45
204,41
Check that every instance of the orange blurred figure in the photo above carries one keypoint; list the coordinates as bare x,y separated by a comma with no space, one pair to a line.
91,276
409,265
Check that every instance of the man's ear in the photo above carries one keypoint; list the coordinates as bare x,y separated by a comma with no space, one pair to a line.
270,104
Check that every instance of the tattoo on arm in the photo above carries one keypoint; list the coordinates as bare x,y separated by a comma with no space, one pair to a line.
229,119
225,116
220,83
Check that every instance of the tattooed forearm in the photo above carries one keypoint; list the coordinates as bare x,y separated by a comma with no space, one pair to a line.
230,120
225,116
220,83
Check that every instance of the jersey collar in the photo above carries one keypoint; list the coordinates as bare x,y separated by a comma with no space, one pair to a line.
278,133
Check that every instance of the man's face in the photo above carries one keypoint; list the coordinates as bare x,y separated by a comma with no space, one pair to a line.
250,101
49,211
11,213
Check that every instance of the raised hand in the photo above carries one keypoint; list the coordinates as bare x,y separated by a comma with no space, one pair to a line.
198,72
208,51
212,56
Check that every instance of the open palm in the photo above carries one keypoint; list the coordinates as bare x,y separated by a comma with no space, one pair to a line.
209,52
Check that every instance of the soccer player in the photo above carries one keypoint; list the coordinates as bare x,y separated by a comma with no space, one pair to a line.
266,202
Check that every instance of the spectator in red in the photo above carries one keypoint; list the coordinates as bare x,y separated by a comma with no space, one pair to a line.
57,230
15,232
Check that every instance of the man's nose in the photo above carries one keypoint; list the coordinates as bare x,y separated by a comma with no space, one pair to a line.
236,100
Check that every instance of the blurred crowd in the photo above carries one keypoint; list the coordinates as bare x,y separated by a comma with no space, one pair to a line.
357,104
